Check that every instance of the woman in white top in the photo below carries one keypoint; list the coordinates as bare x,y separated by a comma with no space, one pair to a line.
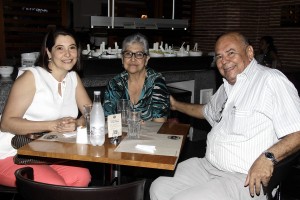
45,99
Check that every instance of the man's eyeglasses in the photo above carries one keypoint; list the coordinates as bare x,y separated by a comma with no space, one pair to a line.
137,55
219,114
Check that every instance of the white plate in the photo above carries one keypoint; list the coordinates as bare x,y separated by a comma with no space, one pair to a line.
170,54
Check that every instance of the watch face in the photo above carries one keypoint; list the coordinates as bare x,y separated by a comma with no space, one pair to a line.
269,155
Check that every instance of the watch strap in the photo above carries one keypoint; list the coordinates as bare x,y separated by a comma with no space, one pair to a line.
269,155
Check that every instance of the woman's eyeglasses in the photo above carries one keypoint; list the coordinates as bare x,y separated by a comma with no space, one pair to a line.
137,55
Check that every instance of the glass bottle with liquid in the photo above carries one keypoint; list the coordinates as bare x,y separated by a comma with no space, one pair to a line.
97,121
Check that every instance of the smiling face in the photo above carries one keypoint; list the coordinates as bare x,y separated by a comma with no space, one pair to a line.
233,55
63,54
134,65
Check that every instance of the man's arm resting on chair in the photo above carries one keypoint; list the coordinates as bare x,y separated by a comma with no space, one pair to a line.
262,169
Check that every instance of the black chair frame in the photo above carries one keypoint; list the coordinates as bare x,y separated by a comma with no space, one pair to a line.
281,172
32,190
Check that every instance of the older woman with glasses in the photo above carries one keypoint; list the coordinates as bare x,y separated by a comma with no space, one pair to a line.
145,88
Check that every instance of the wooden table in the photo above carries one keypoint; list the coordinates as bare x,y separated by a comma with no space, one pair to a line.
106,153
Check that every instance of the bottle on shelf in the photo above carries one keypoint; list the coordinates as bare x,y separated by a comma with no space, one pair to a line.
97,121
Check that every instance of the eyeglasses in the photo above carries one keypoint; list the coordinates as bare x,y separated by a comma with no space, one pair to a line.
137,55
219,114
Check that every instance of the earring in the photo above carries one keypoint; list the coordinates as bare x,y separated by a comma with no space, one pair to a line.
49,60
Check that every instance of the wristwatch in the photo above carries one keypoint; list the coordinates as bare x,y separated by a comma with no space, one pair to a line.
270,156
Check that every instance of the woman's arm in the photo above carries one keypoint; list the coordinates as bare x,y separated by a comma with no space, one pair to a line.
82,98
160,100
19,99
162,119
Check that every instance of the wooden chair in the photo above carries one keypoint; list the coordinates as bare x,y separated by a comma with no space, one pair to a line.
32,190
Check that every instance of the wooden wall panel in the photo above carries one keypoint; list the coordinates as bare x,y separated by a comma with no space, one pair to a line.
254,18
24,24
2,39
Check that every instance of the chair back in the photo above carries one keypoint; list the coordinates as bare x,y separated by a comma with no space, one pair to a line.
6,189
32,190
280,173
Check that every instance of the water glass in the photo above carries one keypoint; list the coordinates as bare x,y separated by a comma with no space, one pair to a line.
97,136
87,114
123,107
134,124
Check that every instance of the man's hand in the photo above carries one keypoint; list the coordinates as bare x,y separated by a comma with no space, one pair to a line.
172,103
259,175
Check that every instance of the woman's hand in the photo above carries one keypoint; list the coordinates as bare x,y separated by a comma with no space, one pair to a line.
65,124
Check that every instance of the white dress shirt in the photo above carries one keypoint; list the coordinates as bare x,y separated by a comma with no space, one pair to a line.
250,116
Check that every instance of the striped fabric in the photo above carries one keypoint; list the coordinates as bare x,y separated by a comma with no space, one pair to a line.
262,107
153,101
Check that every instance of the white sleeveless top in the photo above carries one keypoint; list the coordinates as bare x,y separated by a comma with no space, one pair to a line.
47,104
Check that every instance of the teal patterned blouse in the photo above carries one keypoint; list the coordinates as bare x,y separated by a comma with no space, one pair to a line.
154,99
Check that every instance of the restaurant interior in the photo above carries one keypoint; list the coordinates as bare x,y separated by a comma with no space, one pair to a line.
189,24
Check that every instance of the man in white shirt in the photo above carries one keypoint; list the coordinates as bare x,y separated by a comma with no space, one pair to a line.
255,119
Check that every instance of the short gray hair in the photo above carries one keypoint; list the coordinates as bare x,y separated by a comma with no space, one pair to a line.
136,38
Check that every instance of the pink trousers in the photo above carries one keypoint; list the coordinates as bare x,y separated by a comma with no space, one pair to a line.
68,175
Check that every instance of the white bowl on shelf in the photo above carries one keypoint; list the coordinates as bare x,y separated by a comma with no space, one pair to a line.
182,54
168,54
195,53
6,71
156,53
96,53
85,52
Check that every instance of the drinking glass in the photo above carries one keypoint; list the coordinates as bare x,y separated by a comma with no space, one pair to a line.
123,107
134,124
86,113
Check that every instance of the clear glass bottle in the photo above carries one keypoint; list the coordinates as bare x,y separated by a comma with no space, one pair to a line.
97,121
